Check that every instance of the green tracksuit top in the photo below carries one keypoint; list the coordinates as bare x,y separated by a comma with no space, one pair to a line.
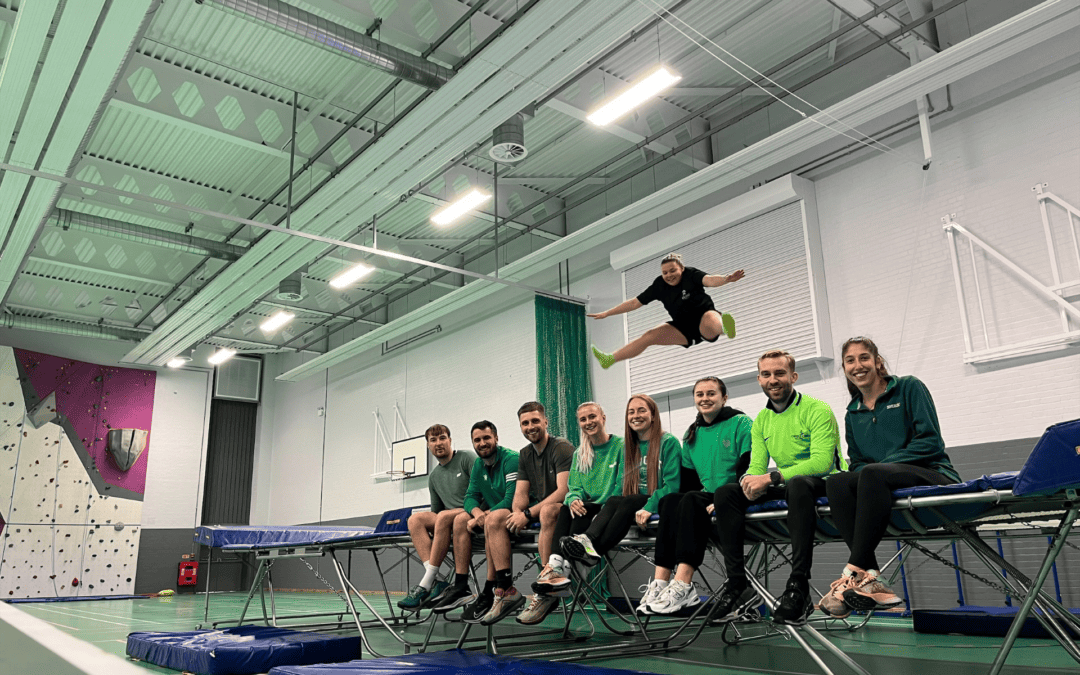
668,472
902,428
602,480
447,483
716,450
804,440
492,487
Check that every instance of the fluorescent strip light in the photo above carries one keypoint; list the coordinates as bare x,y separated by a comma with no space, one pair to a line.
276,321
649,86
351,275
178,362
469,201
221,356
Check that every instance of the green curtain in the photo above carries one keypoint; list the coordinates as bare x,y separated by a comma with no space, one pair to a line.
562,363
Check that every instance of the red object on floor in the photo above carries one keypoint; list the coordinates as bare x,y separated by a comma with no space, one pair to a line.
188,571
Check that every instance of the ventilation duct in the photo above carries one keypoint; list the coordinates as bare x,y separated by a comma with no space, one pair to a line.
508,141
291,287
73,220
338,39
73,328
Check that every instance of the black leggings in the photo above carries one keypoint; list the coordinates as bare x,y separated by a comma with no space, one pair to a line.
800,492
684,529
614,521
861,504
568,524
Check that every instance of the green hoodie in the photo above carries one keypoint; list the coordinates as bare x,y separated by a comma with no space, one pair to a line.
715,451
804,440
902,428
602,480
493,485
668,478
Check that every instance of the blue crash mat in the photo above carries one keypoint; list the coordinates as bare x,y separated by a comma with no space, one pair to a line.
453,662
972,620
240,651
276,536
1054,463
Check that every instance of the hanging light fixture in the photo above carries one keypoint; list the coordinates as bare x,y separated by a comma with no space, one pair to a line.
467,202
221,356
276,321
652,84
351,275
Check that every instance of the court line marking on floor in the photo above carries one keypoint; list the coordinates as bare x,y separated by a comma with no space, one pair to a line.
726,665
81,616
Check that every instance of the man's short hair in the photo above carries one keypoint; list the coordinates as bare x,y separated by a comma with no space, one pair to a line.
532,406
778,354
484,424
437,429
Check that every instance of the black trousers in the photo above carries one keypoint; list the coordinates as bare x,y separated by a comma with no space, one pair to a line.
861,504
568,524
684,529
800,492
614,521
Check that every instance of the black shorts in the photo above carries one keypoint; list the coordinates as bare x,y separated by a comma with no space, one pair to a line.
690,326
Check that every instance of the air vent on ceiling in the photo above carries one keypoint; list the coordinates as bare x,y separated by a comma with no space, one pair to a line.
508,141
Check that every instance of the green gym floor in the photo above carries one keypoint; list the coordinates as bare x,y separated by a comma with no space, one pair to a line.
884,647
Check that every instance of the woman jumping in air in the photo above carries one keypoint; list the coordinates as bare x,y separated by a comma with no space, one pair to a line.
694,318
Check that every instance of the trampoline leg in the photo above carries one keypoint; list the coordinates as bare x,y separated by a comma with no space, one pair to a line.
385,590
352,608
1025,609
273,606
206,602
257,584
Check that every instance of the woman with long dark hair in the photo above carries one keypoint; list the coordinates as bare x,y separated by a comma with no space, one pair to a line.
894,441
716,447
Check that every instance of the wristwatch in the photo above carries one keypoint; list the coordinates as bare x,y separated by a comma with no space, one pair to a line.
528,513
776,478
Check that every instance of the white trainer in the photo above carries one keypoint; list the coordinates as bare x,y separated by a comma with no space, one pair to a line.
652,592
676,596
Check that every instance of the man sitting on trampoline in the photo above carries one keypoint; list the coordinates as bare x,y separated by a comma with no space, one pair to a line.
694,318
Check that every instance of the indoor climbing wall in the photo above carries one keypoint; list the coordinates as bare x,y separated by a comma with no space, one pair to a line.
69,509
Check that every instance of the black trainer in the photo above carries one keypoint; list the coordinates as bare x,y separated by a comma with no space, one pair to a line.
478,608
575,550
795,605
735,599
453,597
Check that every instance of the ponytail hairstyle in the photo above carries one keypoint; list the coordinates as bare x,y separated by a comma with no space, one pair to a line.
691,431
585,450
870,347
632,451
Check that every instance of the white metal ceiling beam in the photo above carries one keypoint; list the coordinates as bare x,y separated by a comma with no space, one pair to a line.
542,49
116,33
981,51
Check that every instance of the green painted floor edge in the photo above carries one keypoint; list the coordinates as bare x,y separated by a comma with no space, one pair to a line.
886,645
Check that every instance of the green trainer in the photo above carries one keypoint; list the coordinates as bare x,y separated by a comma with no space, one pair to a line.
606,360
729,325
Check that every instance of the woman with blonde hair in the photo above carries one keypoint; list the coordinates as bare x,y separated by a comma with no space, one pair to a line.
594,479
682,291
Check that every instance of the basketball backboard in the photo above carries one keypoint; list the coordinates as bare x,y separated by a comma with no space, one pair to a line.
409,458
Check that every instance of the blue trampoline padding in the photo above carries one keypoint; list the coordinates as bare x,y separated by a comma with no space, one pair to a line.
1054,463
453,662
273,536
240,651
973,620
395,521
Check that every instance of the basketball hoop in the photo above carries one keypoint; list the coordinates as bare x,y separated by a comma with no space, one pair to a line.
397,474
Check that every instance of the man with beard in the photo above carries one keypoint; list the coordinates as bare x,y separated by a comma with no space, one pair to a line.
432,530
542,483
801,436
491,488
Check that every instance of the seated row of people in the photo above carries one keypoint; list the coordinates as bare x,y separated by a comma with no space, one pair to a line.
587,500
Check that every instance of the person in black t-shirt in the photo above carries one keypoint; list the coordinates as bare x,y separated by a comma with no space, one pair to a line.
694,318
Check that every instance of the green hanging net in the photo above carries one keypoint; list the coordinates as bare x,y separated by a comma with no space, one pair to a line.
562,363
